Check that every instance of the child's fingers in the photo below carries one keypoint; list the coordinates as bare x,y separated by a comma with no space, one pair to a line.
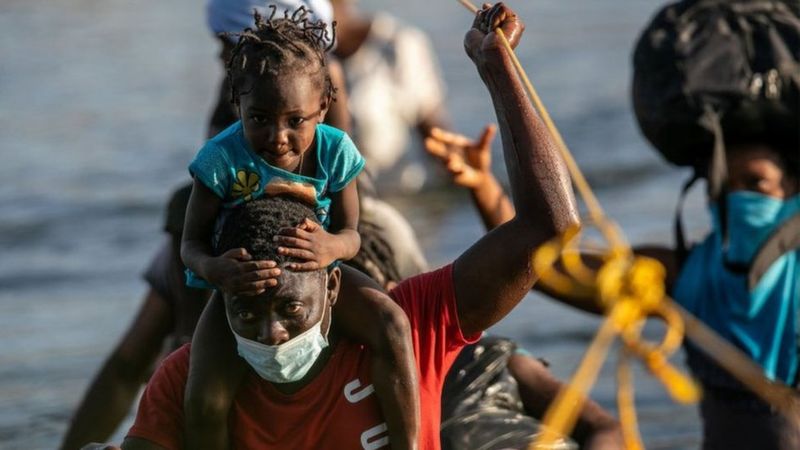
261,275
293,242
297,253
309,225
292,232
238,254
305,267
252,266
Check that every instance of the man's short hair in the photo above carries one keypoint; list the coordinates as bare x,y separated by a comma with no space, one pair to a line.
253,225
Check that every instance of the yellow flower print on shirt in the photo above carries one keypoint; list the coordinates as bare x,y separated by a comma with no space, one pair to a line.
246,185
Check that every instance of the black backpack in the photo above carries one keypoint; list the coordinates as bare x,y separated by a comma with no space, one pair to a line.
710,70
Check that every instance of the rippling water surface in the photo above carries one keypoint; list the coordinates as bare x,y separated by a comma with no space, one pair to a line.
102,104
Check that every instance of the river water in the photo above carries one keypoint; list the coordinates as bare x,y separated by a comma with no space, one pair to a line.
102,104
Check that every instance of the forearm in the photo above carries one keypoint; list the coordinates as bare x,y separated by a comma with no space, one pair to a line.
539,182
365,314
596,429
195,254
394,378
492,203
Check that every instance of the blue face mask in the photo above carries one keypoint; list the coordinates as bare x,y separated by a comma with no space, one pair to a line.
751,219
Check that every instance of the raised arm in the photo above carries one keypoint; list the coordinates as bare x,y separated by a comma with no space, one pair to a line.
493,275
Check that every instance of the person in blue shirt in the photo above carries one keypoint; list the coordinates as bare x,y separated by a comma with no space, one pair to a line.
281,85
763,195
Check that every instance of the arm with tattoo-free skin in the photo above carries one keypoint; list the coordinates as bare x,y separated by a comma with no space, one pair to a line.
469,164
493,275
596,429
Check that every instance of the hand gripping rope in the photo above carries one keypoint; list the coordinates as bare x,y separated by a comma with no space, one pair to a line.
630,289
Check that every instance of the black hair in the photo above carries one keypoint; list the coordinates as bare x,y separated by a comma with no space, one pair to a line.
253,225
290,43
375,257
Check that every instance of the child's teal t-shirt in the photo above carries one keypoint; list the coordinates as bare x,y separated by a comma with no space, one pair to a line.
236,174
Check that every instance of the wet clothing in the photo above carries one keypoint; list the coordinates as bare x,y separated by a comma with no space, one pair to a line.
338,409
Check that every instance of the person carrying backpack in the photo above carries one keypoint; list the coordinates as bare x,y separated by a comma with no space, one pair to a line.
717,88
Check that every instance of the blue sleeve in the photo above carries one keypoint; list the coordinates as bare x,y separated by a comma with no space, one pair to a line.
212,167
344,164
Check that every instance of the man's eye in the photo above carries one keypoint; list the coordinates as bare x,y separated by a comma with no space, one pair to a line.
295,122
246,315
293,309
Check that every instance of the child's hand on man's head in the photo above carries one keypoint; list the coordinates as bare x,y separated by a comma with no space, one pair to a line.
235,272
468,162
308,242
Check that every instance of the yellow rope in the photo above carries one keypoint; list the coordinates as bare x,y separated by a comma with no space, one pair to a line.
631,289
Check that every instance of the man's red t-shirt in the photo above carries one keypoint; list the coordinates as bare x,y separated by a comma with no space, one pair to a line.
338,409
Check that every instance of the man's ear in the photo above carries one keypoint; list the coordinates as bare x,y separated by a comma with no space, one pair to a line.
334,283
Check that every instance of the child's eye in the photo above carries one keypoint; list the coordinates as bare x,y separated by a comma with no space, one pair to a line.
295,122
256,118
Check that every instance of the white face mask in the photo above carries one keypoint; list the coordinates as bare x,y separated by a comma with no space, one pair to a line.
287,362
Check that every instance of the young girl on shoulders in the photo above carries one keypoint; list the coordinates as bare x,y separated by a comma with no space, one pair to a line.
281,87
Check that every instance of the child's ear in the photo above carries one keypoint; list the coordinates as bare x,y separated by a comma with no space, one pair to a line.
323,108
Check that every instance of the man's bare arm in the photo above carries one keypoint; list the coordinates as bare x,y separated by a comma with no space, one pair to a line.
495,273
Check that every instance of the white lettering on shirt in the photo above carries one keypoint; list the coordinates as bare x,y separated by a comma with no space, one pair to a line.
352,392
371,433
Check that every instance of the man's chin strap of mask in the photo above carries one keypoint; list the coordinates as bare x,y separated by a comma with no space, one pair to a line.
785,239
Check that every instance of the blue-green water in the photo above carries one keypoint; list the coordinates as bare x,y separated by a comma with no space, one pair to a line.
102,104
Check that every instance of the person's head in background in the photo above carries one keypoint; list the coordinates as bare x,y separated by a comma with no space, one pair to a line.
766,163
762,191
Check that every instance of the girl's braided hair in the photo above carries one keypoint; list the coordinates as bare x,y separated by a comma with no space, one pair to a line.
277,45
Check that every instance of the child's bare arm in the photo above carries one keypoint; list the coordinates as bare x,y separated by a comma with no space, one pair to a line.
233,271
215,373
367,315
318,247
